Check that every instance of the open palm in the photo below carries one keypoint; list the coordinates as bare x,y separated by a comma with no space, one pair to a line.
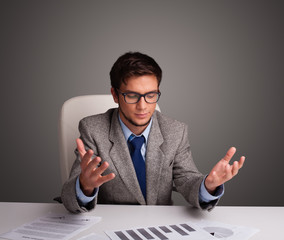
223,171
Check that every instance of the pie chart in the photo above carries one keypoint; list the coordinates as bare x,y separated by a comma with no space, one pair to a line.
219,232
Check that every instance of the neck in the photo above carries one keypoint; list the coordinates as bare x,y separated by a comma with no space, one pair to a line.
136,129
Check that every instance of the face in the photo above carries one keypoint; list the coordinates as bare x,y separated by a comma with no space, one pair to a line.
138,115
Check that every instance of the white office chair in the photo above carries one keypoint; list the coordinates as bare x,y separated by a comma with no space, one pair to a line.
73,110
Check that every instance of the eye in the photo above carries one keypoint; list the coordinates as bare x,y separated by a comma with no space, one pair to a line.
151,95
132,95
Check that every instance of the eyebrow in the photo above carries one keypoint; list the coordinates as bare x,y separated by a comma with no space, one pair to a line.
129,91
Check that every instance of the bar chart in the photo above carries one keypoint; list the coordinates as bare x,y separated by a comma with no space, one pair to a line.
163,232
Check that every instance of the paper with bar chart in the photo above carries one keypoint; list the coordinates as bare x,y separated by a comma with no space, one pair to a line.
162,232
192,231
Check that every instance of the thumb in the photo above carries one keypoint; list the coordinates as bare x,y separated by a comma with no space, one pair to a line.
80,147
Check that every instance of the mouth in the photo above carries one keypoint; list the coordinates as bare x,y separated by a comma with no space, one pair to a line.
141,115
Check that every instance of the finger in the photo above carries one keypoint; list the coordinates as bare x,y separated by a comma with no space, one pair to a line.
100,170
228,172
80,147
87,158
241,162
229,154
92,166
106,178
235,168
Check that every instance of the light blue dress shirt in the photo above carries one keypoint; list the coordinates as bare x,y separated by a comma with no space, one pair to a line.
204,195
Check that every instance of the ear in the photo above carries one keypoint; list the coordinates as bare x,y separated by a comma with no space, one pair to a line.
114,95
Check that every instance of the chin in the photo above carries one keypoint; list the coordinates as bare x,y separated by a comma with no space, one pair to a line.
140,123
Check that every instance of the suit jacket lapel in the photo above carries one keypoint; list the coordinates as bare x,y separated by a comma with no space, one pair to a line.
121,158
154,161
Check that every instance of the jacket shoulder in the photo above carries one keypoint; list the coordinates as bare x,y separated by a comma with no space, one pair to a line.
99,121
168,124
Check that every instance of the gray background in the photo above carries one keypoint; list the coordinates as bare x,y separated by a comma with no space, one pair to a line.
223,76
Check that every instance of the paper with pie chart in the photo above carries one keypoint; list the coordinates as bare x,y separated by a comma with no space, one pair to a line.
224,231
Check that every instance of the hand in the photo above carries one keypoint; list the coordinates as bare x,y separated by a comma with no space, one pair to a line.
91,175
223,171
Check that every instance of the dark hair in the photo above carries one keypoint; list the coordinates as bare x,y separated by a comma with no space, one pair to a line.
133,64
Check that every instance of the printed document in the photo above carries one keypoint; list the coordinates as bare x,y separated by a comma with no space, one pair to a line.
52,226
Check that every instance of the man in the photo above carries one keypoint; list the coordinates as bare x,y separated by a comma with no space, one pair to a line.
134,154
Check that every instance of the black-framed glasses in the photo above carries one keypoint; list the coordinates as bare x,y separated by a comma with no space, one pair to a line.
134,97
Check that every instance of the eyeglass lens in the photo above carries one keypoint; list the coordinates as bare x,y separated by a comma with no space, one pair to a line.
151,97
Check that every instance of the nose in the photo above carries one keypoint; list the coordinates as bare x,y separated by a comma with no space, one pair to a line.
141,104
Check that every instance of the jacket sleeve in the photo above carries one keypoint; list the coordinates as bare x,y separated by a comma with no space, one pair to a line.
68,193
187,178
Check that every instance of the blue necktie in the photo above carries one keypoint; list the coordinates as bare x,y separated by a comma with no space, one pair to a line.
138,162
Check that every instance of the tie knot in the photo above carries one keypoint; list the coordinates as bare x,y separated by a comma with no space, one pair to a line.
137,142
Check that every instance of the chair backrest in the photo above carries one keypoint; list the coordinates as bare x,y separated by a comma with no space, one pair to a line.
73,110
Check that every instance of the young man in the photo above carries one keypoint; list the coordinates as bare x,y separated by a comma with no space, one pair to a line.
134,154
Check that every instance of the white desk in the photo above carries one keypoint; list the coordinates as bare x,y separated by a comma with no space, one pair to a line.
270,220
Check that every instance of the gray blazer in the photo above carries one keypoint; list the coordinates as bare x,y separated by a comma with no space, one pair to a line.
168,162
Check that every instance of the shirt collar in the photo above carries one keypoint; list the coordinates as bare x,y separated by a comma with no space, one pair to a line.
127,133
